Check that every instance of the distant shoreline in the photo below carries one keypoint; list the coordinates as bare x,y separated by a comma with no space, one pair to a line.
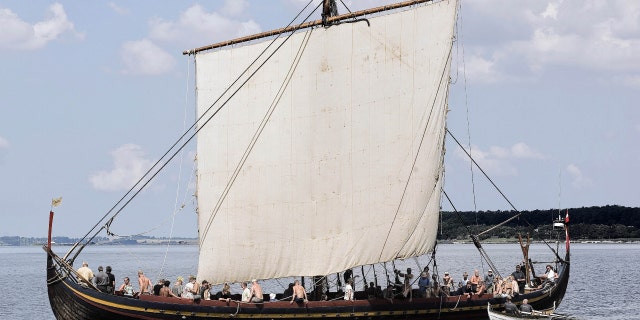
193,241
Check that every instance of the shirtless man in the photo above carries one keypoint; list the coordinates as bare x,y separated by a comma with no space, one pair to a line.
447,283
475,279
255,295
299,294
144,283
165,291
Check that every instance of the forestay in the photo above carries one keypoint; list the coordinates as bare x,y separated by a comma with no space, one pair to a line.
331,156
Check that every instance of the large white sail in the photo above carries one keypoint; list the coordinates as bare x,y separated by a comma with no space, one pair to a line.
331,156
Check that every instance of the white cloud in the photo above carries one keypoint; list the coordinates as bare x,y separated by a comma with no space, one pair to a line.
628,80
523,151
129,164
4,143
500,160
196,26
118,9
601,37
234,7
578,180
551,11
146,58
18,34
480,69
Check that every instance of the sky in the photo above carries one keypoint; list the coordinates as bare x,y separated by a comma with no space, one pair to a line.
544,94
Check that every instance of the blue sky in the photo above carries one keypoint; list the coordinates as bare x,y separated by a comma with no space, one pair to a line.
94,92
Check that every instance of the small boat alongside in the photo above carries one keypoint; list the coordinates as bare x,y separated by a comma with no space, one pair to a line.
535,314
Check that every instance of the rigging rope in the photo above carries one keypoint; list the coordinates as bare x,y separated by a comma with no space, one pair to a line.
466,103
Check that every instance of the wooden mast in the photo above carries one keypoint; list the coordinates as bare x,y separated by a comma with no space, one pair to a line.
525,253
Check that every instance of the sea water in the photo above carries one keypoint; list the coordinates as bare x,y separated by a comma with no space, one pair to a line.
602,284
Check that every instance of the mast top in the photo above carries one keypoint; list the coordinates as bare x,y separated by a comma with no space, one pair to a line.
330,19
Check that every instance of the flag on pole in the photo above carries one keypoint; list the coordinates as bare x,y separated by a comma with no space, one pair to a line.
56,202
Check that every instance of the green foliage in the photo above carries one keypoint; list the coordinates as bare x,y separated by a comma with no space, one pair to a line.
594,223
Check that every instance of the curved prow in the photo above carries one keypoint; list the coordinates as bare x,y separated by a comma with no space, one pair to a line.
563,274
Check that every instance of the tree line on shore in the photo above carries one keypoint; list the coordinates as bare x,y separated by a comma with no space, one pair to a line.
592,223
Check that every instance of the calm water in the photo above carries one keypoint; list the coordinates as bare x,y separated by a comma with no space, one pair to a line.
601,287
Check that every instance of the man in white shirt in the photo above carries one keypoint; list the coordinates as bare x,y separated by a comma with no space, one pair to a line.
86,275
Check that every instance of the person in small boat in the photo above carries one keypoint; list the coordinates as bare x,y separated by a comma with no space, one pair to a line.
475,279
519,276
300,294
507,287
102,280
85,274
177,287
246,293
488,282
424,284
255,294
165,291
510,307
144,283
126,288
549,277
348,290
225,294
526,307
515,288
112,281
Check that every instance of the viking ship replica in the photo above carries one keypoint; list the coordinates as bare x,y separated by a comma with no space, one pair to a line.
321,146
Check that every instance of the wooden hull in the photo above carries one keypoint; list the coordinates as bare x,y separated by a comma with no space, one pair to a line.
70,301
